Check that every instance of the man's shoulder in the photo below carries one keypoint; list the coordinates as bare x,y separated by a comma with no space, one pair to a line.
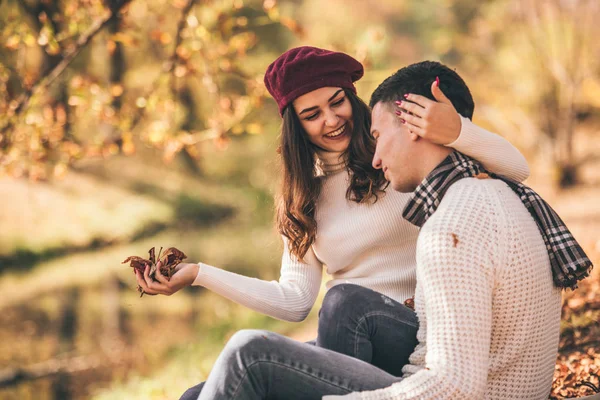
470,206
481,187
474,195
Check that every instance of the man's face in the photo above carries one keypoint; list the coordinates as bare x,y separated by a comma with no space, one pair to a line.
394,147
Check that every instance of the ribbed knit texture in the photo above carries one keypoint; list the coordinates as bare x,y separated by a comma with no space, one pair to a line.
488,309
328,163
365,244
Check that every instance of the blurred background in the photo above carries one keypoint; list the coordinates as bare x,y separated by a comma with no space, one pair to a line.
129,124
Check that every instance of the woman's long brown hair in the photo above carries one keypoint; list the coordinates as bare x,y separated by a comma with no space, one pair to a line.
301,187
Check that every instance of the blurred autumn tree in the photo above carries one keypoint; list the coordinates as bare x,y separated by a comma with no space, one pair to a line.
546,68
100,77
535,64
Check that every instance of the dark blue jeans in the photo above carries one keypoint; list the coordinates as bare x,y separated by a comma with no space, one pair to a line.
367,325
354,321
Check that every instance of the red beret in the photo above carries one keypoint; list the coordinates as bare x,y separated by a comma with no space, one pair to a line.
304,69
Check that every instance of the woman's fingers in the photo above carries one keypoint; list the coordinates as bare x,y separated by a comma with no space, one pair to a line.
411,119
147,276
142,282
150,286
159,276
439,95
414,124
140,279
412,108
422,101
416,130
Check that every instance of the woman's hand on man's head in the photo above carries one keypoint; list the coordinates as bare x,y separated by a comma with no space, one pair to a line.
435,121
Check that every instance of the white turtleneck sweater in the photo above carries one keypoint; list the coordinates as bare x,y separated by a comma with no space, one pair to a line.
364,244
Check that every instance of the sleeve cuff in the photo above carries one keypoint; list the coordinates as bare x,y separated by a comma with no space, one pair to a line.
468,135
202,272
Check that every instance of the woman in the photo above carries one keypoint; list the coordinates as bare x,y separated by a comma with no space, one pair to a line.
334,210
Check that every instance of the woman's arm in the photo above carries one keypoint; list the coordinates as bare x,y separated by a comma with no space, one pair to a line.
494,152
290,299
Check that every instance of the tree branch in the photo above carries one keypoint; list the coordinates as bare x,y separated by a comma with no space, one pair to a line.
50,76
178,40
168,67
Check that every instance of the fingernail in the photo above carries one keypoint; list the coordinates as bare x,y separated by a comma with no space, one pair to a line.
398,112
437,81
403,121
398,102
406,96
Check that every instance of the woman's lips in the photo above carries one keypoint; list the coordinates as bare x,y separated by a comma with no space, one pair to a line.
341,135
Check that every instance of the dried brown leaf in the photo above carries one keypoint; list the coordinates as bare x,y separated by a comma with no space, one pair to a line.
170,259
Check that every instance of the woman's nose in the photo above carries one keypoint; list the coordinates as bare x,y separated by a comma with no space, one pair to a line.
331,119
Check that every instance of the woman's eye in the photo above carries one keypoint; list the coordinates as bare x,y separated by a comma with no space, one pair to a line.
312,117
339,102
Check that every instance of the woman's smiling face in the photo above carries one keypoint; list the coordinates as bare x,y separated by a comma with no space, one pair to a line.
326,116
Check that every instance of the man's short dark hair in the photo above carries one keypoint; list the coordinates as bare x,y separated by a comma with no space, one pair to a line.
417,79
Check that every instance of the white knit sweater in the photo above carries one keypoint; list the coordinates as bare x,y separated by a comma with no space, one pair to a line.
368,245
488,310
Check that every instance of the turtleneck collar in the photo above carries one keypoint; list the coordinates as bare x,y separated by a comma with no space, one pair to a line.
329,163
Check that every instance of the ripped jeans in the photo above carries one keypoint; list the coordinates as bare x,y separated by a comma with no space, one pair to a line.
364,340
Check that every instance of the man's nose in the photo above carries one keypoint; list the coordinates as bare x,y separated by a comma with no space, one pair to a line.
376,161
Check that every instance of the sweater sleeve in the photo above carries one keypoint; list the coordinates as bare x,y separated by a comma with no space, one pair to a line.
496,154
455,274
289,299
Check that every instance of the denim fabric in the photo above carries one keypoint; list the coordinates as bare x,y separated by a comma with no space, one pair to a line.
354,321
193,392
367,325
264,365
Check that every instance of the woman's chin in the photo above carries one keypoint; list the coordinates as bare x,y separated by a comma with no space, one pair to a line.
336,146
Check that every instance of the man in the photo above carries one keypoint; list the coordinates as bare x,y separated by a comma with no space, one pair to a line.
488,309
492,258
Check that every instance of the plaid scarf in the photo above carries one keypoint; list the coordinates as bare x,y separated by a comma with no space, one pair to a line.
568,260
